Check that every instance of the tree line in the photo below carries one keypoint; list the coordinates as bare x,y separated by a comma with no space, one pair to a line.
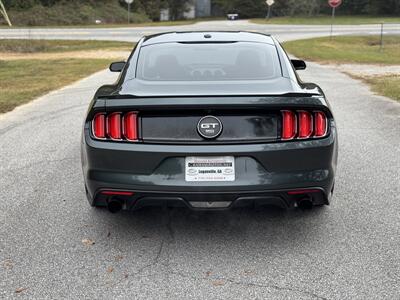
246,8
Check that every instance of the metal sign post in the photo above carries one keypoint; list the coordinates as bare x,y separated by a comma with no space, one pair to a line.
332,19
269,4
129,2
333,4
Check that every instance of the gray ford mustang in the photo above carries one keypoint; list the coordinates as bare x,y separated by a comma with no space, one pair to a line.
209,120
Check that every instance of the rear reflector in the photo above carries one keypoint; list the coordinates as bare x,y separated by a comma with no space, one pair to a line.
114,126
301,192
289,127
320,124
99,126
130,126
117,193
305,124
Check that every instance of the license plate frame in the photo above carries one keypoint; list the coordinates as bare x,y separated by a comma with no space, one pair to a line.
209,168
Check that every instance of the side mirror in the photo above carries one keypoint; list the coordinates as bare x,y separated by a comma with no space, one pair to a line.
117,66
299,64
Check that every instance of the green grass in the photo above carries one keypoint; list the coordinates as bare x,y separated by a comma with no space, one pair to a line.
145,24
388,85
326,20
49,46
347,49
112,25
24,80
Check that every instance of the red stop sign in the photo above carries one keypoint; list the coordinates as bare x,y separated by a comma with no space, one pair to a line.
334,3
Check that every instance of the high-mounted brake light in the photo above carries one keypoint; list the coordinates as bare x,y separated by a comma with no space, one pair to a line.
130,126
320,124
289,126
305,124
99,126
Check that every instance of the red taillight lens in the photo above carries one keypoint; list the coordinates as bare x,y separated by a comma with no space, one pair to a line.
289,127
114,126
320,124
130,126
309,124
305,124
99,126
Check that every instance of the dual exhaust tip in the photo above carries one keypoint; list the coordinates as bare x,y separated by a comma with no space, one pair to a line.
114,205
305,203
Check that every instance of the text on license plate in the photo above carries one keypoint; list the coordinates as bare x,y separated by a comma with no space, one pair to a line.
210,168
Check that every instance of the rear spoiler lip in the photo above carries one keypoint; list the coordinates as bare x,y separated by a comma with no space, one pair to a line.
210,103
289,94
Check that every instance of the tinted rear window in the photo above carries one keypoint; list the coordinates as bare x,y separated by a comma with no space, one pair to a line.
204,62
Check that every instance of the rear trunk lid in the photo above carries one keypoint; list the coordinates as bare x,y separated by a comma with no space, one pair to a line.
177,120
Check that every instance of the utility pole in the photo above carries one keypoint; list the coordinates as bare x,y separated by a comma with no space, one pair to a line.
4,13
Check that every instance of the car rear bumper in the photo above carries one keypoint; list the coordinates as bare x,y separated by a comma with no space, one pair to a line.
155,174
211,200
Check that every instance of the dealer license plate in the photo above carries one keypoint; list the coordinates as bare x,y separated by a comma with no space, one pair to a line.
210,168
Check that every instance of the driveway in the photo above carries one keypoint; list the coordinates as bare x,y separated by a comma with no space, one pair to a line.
54,245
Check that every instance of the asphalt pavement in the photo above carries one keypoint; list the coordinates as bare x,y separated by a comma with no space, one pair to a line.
282,32
54,245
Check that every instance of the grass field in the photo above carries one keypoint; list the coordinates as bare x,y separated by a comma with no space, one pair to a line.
144,24
355,50
51,46
116,25
326,20
388,86
347,49
24,80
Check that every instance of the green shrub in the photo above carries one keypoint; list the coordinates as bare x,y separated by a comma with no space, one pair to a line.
73,13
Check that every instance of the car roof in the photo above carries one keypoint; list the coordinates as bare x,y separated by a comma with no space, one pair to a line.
207,37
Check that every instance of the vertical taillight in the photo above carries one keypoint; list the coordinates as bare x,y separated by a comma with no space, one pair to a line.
114,126
130,126
305,124
320,124
289,125
99,126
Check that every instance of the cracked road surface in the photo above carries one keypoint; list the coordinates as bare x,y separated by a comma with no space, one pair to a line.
54,245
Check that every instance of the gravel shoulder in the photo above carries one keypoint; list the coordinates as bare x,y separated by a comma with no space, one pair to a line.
367,70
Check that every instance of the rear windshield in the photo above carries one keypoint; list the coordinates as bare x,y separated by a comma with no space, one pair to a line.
208,62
